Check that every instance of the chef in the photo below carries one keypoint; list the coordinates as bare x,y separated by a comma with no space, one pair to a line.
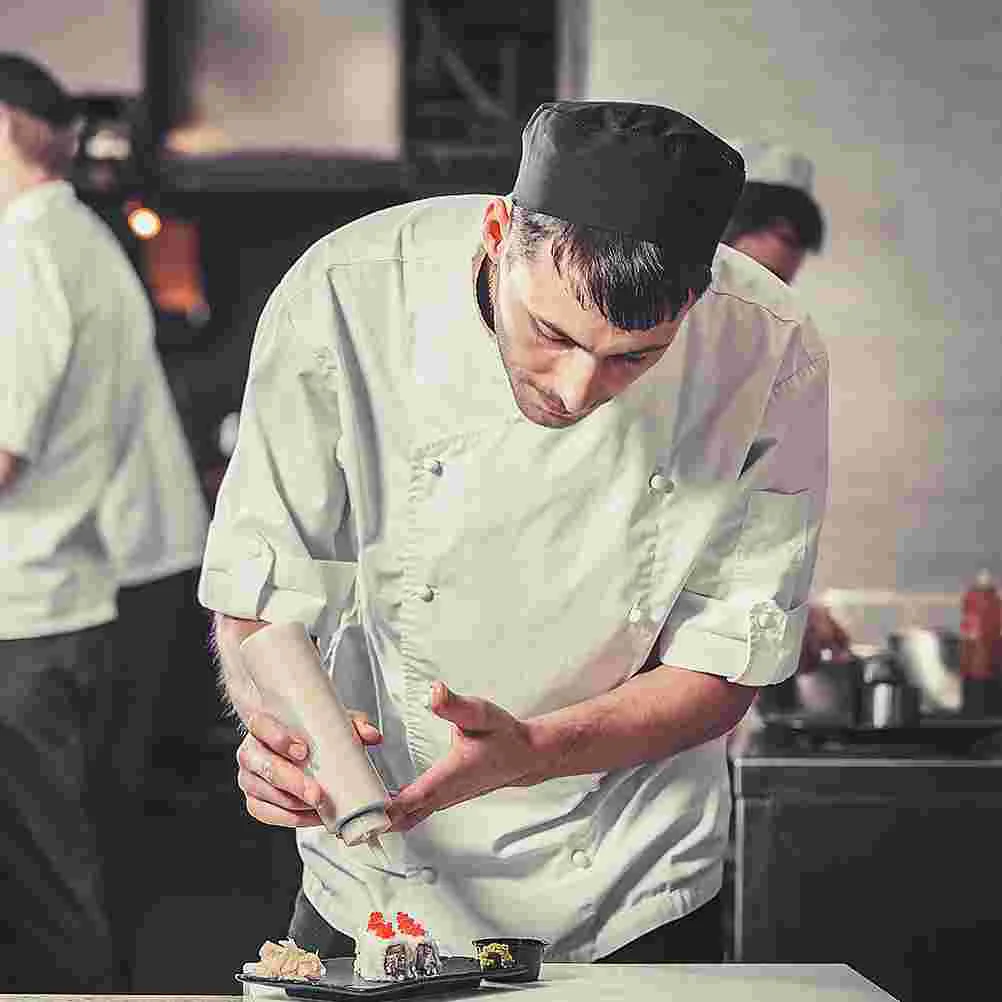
543,474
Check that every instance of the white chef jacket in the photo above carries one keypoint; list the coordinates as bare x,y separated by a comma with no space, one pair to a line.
72,317
386,491
153,516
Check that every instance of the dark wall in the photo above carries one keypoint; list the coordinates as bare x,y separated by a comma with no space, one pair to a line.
248,242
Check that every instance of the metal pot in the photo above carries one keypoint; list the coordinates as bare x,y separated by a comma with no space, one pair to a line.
887,698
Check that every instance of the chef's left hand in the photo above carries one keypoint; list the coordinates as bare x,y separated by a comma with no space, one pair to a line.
490,749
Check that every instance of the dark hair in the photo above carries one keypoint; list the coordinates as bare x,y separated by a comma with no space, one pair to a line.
763,205
631,282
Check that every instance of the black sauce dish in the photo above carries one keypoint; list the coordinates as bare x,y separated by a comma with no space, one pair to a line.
510,958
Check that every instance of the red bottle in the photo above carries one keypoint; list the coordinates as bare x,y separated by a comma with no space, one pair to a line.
981,630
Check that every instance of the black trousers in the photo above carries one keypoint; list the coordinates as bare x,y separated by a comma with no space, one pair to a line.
79,714
55,708
697,938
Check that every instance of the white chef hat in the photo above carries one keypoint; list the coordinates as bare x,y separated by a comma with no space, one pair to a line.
772,163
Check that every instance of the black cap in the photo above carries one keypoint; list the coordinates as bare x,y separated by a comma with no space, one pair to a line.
637,169
26,85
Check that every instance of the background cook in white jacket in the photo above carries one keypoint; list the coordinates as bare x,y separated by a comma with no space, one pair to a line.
519,526
74,327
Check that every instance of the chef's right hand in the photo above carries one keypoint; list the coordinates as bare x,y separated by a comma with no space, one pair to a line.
271,759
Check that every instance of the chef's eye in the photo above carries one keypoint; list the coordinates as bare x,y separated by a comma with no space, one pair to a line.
542,334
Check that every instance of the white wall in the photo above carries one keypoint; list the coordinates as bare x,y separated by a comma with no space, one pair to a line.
305,77
900,109
92,46
318,78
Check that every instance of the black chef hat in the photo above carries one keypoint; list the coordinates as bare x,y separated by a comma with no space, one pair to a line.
636,169
26,85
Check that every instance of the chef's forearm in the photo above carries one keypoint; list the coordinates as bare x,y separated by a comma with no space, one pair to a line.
654,715
235,682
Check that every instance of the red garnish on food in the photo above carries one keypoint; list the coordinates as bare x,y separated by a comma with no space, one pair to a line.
378,926
408,925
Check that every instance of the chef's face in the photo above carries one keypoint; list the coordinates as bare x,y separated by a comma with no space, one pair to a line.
563,361
777,247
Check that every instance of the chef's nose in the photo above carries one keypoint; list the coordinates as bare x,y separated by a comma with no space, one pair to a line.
577,380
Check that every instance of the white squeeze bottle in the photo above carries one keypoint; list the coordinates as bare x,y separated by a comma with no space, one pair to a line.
295,689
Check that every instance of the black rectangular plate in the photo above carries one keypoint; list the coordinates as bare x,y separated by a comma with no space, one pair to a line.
340,982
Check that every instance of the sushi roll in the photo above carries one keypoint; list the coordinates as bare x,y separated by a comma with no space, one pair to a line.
423,949
381,954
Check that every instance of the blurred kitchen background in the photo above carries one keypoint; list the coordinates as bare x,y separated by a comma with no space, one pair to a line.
225,136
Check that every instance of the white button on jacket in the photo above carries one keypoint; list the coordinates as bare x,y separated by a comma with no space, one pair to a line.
370,359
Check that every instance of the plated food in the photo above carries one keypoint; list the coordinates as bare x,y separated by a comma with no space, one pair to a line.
404,953
286,960
495,956
394,959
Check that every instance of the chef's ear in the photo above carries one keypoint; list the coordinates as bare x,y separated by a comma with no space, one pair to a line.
496,226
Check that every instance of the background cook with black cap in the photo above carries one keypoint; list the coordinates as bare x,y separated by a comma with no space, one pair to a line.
77,359
544,476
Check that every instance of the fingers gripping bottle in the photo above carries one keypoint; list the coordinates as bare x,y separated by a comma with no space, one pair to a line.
294,688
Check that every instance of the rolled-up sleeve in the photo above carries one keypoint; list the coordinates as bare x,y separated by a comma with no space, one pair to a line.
36,339
271,551
743,610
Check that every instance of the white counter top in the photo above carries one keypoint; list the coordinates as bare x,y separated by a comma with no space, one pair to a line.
678,983
700,983
624,983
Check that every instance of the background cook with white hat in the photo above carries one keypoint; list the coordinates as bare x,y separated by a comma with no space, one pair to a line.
776,220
